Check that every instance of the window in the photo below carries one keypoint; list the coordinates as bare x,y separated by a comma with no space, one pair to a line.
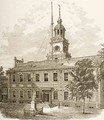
29,94
37,77
61,32
65,95
21,94
14,78
58,32
65,76
45,76
14,94
37,94
55,77
21,78
29,77
57,48
55,95
56,58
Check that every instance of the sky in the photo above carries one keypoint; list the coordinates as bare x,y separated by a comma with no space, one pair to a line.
25,28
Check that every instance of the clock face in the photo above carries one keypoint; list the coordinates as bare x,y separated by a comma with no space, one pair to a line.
57,48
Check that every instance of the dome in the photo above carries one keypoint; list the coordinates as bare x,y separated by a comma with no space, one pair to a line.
58,26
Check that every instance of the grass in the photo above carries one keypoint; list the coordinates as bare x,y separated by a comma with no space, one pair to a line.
13,110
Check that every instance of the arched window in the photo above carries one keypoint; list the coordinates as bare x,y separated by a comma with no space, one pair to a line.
21,94
58,32
61,32
21,78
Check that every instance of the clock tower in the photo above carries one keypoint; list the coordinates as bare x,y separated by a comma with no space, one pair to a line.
58,42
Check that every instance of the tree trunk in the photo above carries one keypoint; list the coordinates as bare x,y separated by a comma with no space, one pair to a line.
84,106
35,104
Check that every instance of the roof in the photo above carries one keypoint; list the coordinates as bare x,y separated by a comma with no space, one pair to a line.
39,66
58,26
52,64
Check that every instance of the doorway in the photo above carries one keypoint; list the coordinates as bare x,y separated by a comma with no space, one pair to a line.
46,97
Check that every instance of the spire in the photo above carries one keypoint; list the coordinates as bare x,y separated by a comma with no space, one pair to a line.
59,20
59,12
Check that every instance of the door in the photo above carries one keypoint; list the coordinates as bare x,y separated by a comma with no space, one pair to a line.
46,97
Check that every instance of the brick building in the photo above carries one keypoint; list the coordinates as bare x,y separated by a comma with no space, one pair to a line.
49,77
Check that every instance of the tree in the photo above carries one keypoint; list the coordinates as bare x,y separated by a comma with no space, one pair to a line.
101,52
83,83
101,63
1,74
1,81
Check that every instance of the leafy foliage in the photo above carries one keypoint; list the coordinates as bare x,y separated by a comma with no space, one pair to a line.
101,64
1,73
101,52
83,83
3,78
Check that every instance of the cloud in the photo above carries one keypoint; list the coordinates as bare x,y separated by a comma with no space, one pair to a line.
28,51
29,34
7,61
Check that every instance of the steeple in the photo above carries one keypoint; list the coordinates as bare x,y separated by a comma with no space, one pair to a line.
58,41
59,29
